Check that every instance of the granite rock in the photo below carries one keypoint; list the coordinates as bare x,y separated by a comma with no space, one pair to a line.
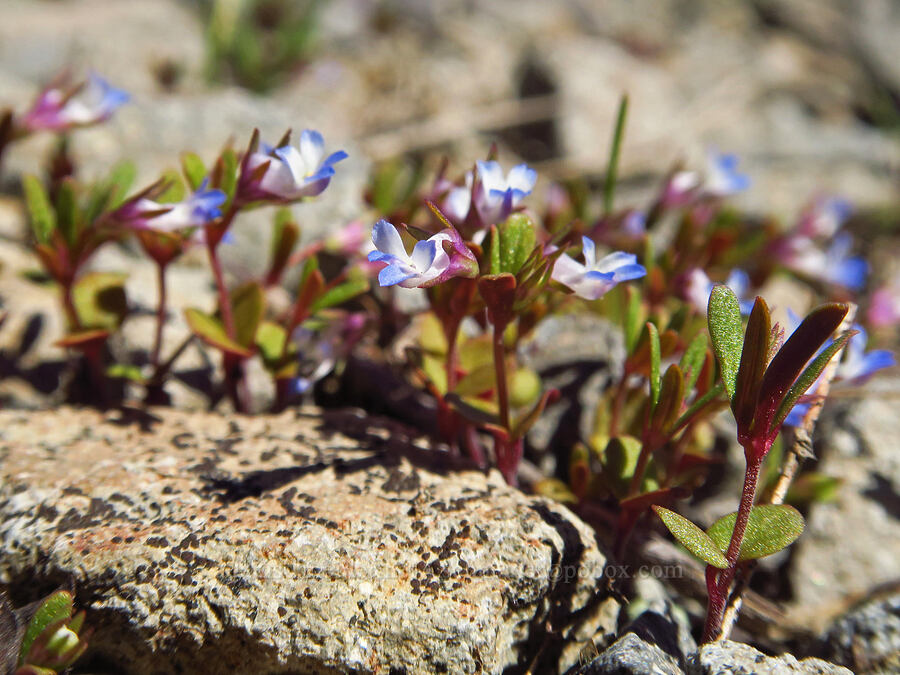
867,638
732,658
307,542
630,655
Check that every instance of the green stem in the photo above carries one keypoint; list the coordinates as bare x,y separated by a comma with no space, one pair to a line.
160,316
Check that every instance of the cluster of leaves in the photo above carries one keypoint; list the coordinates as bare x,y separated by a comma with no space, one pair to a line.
258,43
43,638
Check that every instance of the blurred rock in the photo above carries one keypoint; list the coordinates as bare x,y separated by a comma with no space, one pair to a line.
721,658
852,544
630,655
304,542
867,638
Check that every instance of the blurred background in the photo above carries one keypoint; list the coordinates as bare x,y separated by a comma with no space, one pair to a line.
806,92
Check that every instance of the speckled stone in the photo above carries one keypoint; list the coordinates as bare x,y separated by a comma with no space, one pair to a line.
734,658
307,542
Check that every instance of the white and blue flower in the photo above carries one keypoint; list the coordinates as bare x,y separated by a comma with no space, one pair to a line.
835,265
197,210
59,108
427,265
722,175
699,287
594,278
495,194
288,173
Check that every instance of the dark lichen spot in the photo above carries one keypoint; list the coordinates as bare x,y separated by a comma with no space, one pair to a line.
47,512
157,542
181,441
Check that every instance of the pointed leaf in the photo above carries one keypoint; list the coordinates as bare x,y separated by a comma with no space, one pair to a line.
284,238
726,331
193,168
799,348
67,211
612,169
807,378
692,360
248,302
126,371
476,382
692,538
671,396
340,294
229,173
554,488
770,528
83,340
56,607
654,363
211,331
41,214
754,357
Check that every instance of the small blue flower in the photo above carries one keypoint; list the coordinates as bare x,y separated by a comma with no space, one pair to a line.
722,176
290,173
199,209
857,365
824,218
835,265
699,287
88,103
429,262
594,278
496,195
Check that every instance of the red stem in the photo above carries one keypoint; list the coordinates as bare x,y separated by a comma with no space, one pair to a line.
718,598
160,316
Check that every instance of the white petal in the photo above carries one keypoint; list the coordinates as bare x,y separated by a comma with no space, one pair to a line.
312,149
491,175
387,240
522,177
589,251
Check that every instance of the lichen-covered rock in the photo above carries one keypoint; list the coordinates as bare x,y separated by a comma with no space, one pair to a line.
867,638
731,658
307,542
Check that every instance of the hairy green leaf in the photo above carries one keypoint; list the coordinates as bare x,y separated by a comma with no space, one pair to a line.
193,168
654,363
692,360
55,607
341,293
692,538
726,331
41,214
770,528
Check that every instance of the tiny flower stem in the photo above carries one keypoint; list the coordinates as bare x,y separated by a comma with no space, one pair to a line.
755,451
160,316
500,373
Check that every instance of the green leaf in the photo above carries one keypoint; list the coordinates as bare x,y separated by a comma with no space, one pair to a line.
754,358
211,331
126,371
174,191
55,607
726,331
554,488
612,171
654,363
278,360
120,180
692,361
620,457
285,235
692,538
770,528
41,214
476,382
67,211
515,241
229,173
800,347
193,168
524,387
248,302
806,379
671,397
340,294
100,300
704,400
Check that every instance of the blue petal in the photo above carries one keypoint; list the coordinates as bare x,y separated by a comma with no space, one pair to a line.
850,273
394,274
335,157
795,416
600,276
629,272
877,360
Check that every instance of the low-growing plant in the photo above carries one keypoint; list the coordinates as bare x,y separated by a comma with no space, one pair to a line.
489,271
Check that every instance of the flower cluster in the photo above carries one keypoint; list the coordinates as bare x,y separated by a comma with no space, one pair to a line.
64,106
